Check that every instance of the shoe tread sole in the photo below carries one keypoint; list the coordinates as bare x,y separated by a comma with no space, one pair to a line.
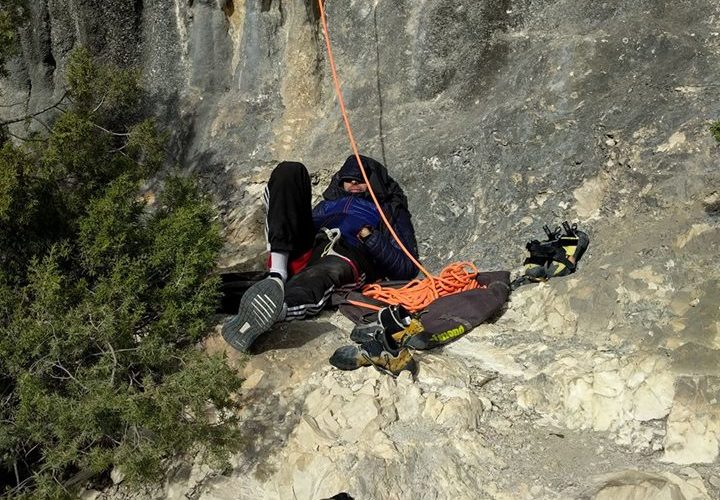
259,309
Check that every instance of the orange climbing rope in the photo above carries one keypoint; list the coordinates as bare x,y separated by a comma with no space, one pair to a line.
417,294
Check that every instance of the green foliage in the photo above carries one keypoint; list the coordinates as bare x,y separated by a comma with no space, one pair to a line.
13,13
101,90
11,166
102,303
715,130
21,224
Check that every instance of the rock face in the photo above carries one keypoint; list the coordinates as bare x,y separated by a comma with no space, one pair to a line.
497,116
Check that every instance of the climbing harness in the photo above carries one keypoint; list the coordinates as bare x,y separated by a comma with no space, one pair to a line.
417,294
556,256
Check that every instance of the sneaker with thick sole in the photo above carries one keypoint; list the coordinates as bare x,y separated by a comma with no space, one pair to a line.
260,307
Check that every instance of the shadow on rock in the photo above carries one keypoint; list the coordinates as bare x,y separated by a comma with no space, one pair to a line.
291,336
265,431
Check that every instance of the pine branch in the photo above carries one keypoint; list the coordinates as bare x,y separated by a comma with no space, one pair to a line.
119,134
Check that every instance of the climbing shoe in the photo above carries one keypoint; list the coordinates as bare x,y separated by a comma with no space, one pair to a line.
382,351
390,319
576,242
557,256
348,357
260,307
387,359
388,355
404,336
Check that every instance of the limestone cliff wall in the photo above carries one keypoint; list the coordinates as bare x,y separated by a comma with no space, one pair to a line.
505,108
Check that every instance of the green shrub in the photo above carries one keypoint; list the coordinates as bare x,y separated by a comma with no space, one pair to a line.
13,13
715,130
103,301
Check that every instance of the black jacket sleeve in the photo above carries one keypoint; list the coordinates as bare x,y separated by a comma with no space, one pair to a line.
391,261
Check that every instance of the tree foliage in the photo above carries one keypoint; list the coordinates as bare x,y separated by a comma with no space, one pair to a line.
13,13
103,300
715,130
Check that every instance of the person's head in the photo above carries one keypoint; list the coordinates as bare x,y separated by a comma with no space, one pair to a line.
351,179
354,186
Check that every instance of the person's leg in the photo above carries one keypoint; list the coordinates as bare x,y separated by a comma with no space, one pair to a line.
333,266
233,286
290,234
288,226
307,293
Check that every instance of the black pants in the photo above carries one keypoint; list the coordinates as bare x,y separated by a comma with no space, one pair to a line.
288,199
289,228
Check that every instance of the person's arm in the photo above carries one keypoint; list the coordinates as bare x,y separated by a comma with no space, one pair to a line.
320,214
392,262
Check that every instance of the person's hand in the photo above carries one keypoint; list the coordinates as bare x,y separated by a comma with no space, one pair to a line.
364,232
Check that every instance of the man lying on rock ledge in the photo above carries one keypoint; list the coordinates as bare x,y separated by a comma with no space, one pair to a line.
340,245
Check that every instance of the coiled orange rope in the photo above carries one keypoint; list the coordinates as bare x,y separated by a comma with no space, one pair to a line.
417,294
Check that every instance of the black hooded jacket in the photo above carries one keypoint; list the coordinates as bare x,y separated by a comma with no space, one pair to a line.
390,261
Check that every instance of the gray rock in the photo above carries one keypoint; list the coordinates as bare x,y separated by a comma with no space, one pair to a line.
497,117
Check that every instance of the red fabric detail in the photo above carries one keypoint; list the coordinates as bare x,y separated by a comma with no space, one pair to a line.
297,264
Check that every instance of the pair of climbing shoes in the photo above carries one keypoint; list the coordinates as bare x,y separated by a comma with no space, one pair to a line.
381,343
556,256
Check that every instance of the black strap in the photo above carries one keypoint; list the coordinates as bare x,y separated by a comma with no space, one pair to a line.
543,254
544,249
570,230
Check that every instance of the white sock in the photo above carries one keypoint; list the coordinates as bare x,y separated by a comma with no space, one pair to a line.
279,264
